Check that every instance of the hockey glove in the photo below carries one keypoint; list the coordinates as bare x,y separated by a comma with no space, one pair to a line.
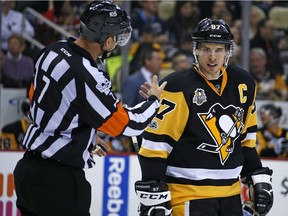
260,190
154,198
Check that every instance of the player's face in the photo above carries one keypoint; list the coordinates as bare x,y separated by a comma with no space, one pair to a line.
211,57
265,117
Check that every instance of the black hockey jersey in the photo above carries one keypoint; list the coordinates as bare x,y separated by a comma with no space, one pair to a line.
271,144
12,135
200,131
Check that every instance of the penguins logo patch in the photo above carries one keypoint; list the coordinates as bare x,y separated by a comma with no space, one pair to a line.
224,126
153,125
199,96
103,85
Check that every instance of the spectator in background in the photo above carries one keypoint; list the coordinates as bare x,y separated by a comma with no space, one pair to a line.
151,65
148,16
185,46
264,5
235,59
68,19
12,134
1,64
265,39
206,8
149,37
183,21
271,137
270,86
17,68
12,22
180,62
256,14
218,8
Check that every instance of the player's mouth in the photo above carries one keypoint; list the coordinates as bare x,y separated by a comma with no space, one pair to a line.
212,65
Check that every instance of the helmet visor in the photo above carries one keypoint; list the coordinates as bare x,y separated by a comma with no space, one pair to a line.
123,38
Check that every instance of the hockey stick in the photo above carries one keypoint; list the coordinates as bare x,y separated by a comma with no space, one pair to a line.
135,144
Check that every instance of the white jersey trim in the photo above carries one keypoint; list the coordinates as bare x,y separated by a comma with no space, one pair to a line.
201,174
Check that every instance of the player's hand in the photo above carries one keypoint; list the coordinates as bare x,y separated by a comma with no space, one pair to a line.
101,148
154,198
147,90
260,190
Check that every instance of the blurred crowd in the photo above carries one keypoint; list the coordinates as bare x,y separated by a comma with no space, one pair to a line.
161,43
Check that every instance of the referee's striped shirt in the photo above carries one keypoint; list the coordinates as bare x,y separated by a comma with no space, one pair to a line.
70,100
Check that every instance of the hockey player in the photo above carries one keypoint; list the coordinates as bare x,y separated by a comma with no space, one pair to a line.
202,141
271,137
12,134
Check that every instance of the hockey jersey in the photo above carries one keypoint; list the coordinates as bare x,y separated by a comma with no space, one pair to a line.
200,131
272,144
12,135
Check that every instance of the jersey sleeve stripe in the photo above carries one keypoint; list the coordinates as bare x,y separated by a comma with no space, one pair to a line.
60,69
141,117
96,104
50,57
153,153
152,145
249,140
132,132
36,69
116,123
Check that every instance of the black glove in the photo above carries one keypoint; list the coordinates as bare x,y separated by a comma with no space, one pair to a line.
154,198
260,190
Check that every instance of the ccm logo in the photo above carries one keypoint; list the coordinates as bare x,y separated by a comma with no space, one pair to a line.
65,52
154,196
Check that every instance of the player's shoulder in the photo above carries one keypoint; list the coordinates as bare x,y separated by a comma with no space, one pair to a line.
177,81
239,74
11,127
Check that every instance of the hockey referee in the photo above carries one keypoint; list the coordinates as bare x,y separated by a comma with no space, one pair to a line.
70,100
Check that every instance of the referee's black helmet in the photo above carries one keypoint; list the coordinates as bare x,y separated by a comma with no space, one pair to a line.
101,19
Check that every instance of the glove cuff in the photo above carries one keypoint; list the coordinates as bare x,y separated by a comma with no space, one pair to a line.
151,199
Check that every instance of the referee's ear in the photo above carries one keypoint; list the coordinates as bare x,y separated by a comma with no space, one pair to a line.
109,44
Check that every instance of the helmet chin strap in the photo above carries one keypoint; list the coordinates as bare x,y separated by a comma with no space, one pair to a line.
105,53
197,65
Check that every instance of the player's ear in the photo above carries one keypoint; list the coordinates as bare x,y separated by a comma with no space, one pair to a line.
109,40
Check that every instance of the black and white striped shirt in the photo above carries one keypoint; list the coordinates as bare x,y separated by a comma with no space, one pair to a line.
70,100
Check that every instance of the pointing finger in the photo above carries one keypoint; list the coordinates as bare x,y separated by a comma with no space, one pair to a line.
162,86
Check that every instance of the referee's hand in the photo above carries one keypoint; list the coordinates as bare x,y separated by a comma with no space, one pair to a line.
101,148
147,90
